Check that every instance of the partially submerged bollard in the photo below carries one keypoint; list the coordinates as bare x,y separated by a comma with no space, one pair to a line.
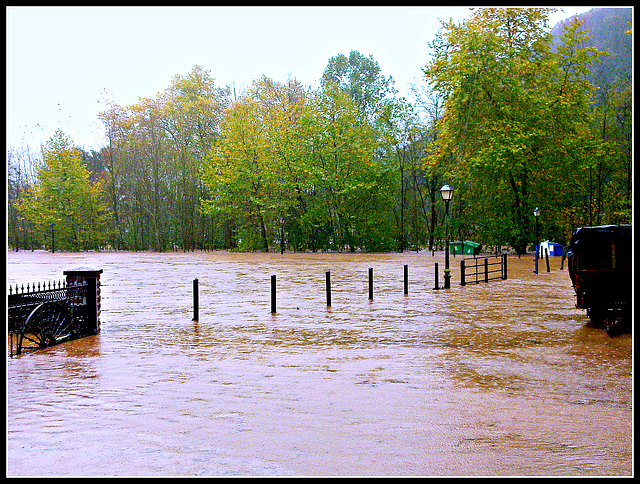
196,309
406,279
273,294
546,256
328,286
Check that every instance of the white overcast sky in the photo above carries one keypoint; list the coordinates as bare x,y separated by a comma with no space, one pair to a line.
63,62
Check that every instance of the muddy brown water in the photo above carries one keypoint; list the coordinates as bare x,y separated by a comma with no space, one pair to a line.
504,378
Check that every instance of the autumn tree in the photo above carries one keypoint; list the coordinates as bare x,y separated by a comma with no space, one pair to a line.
153,164
360,77
515,131
20,176
62,198
299,164
253,171
350,185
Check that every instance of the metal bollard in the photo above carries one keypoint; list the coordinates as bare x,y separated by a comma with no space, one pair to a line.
486,269
546,256
273,294
504,265
196,310
406,279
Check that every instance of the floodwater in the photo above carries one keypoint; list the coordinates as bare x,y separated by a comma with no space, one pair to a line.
504,378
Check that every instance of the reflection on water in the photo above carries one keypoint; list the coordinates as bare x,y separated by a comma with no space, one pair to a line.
502,378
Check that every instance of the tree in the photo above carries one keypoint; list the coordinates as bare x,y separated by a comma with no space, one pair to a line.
20,176
360,77
253,171
153,164
62,199
192,108
516,119
350,186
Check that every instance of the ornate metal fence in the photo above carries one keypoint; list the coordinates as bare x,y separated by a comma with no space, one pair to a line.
50,313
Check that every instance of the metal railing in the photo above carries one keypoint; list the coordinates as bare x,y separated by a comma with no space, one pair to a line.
483,269
27,311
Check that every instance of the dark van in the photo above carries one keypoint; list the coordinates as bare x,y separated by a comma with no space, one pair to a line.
600,268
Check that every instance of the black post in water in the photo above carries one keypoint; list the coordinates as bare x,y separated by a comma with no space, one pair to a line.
328,278
546,256
273,294
462,279
196,310
370,283
406,279
504,265
437,287
486,269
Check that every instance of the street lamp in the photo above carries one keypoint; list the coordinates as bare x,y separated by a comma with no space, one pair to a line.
536,214
53,244
447,192
281,235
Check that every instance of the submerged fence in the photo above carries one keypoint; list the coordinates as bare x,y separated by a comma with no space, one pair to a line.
50,313
483,269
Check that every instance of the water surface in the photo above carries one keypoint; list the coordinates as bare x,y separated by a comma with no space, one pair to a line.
504,378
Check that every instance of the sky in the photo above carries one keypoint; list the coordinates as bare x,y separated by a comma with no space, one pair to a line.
64,63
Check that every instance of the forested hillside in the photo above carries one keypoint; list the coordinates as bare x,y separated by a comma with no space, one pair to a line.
609,29
510,114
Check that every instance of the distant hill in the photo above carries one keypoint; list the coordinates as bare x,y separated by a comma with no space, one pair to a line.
607,27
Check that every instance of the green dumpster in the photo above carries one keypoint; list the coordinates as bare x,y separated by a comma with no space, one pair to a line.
466,247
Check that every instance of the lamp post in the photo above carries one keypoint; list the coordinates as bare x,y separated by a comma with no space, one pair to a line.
281,235
447,192
53,244
536,214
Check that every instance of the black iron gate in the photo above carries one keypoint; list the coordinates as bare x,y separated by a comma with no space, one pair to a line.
52,313
483,269
46,315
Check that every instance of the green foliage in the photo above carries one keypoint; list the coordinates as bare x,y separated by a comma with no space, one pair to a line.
360,78
515,134
63,201
153,165
303,162
508,117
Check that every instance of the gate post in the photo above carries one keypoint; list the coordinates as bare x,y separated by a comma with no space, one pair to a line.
504,265
92,278
486,269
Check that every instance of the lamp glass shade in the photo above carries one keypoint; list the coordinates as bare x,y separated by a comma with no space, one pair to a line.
536,212
447,192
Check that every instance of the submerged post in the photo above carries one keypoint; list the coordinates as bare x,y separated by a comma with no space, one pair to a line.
196,309
273,294
486,269
504,265
406,279
328,284
436,287
462,279
546,256
370,283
